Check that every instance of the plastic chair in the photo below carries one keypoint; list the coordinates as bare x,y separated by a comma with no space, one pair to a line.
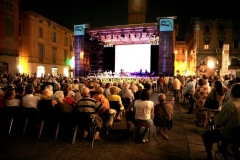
14,114
32,115
83,121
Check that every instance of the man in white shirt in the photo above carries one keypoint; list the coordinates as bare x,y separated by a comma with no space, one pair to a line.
29,100
176,87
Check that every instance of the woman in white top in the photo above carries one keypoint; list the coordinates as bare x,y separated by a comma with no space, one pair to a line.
144,111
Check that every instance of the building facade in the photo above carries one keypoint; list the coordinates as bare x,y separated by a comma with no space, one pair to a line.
45,46
213,46
9,43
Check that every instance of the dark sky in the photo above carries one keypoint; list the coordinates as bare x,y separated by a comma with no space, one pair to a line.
100,13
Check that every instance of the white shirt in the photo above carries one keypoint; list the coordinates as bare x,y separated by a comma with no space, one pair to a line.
13,102
30,101
143,109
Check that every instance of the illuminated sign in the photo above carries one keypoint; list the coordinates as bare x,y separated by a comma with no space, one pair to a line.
166,24
79,30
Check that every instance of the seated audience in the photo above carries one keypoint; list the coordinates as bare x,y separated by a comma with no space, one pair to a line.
92,106
144,111
109,114
29,100
11,101
161,116
115,97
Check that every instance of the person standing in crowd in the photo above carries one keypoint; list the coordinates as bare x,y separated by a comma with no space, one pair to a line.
190,89
200,96
176,87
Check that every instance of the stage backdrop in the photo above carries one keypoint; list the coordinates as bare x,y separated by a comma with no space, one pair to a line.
150,59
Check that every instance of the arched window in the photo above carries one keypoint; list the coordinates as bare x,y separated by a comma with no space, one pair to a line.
221,28
206,29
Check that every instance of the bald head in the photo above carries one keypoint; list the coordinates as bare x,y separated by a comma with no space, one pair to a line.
161,97
86,92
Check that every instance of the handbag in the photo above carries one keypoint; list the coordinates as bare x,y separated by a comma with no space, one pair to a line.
212,103
169,122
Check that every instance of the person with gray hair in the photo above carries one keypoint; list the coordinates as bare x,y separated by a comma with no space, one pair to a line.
126,93
59,104
227,120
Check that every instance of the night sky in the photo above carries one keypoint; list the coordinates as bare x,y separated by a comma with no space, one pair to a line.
99,13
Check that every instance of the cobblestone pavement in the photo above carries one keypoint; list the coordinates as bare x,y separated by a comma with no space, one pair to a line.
117,145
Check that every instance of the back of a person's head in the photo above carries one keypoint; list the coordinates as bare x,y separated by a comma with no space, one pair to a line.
235,91
58,96
47,93
9,93
65,91
145,94
126,86
99,90
161,97
29,89
113,90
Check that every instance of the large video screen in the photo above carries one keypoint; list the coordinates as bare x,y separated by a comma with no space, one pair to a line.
132,58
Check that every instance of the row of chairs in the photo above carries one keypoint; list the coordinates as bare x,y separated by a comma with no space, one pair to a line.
21,117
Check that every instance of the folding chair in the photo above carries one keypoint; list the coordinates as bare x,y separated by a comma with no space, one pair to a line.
83,121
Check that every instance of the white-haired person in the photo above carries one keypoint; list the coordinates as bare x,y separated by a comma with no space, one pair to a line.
59,103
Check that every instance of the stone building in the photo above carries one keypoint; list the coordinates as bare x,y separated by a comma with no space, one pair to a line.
9,43
213,46
45,46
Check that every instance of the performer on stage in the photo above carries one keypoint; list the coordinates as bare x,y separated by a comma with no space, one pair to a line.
140,73
146,72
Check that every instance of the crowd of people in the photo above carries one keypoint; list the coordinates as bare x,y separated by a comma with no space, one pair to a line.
81,94
52,94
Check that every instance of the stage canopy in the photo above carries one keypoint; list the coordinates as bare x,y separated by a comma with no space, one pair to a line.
146,33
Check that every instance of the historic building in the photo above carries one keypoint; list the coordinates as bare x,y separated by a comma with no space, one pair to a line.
45,47
213,46
180,59
9,43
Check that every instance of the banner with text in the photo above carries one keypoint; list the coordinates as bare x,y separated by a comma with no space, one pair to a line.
79,32
166,54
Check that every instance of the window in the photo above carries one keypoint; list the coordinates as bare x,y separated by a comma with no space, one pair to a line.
8,27
54,37
65,55
183,50
20,30
207,29
221,28
236,28
40,32
220,44
8,6
41,51
54,54
236,44
206,45
66,42
235,62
